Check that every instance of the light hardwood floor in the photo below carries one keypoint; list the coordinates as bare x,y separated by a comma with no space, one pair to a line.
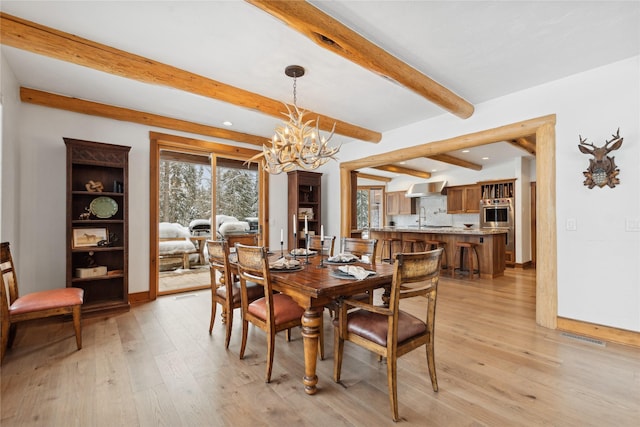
157,365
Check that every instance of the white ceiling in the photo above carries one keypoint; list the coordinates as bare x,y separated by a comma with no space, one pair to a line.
478,49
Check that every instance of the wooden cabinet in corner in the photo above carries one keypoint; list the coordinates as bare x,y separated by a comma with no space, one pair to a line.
463,199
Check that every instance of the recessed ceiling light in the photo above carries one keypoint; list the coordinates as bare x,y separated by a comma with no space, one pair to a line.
485,158
434,170
403,163
465,151
227,123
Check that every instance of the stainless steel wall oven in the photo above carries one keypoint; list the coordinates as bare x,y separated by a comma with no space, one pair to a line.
498,213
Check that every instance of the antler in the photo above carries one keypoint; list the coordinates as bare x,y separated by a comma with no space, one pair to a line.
583,141
615,138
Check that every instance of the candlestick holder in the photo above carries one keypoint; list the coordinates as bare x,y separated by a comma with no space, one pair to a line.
321,265
281,249
295,245
306,249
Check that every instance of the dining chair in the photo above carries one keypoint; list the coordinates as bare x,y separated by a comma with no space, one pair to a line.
388,331
35,305
222,280
272,312
365,249
250,239
315,243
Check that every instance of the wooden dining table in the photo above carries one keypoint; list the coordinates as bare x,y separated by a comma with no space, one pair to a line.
312,288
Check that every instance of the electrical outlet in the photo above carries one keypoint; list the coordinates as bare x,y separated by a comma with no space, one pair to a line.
572,224
632,224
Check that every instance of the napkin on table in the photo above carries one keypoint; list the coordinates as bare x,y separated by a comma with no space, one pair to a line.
355,271
284,264
345,257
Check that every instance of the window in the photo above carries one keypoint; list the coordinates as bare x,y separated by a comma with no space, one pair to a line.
369,207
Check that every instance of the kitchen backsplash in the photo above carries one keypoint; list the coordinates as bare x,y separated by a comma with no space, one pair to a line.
435,209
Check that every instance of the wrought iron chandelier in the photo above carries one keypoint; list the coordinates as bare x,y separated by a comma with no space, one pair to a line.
296,143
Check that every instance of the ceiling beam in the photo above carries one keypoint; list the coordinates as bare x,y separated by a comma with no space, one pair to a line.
374,177
525,144
405,171
76,105
339,39
475,139
32,37
446,158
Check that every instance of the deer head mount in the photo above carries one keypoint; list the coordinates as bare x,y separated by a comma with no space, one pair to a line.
602,168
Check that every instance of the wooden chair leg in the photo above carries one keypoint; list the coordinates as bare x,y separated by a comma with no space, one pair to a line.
431,362
5,339
338,347
245,328
287,334
392,378
229,326
77,324
271,344
213,311
321,338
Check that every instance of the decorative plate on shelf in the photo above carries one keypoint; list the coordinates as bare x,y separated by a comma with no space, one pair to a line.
103,207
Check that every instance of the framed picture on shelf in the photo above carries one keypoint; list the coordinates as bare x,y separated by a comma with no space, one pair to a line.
87,237
302,212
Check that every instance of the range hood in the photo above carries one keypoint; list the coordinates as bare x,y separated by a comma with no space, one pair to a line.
424,189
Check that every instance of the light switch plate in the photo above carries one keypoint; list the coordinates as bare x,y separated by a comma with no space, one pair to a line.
632,224
572,224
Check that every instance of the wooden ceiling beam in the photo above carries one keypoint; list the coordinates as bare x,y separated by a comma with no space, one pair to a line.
76,105
402,170
339,39
525,144
32,37
374,177
446,158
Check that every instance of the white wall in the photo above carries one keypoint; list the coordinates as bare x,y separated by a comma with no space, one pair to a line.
598,268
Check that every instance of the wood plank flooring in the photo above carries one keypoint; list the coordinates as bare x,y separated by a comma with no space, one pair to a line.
158,366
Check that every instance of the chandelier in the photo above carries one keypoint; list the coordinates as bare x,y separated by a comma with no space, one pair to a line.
296,143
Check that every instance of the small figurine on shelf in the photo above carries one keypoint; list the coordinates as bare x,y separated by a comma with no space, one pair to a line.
90,262
85,215
94,186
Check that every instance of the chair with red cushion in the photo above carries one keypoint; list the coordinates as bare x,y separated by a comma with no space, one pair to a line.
273,312
221,277
35,305
388,331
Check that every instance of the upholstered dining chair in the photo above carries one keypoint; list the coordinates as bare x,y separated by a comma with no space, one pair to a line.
35,305
273,312
388,331
315,243
224,289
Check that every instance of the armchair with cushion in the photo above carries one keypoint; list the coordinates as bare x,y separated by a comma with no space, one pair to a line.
389,331
36,305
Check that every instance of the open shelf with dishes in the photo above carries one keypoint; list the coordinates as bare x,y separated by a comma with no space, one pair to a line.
305,199
97,223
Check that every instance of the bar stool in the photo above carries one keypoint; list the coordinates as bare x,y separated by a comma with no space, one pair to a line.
413,245
436,244
389,242
460,250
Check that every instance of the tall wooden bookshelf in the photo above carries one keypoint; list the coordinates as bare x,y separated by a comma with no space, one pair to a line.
305,195
98,223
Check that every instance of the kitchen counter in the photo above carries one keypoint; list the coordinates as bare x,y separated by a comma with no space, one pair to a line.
491,243
442,230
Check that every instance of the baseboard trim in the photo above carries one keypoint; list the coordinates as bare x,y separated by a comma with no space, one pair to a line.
139,298
606,333
525,265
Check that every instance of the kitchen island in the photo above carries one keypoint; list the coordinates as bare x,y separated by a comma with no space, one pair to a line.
491,243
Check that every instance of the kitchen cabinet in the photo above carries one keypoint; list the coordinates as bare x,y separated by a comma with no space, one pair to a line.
463,199
398,204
